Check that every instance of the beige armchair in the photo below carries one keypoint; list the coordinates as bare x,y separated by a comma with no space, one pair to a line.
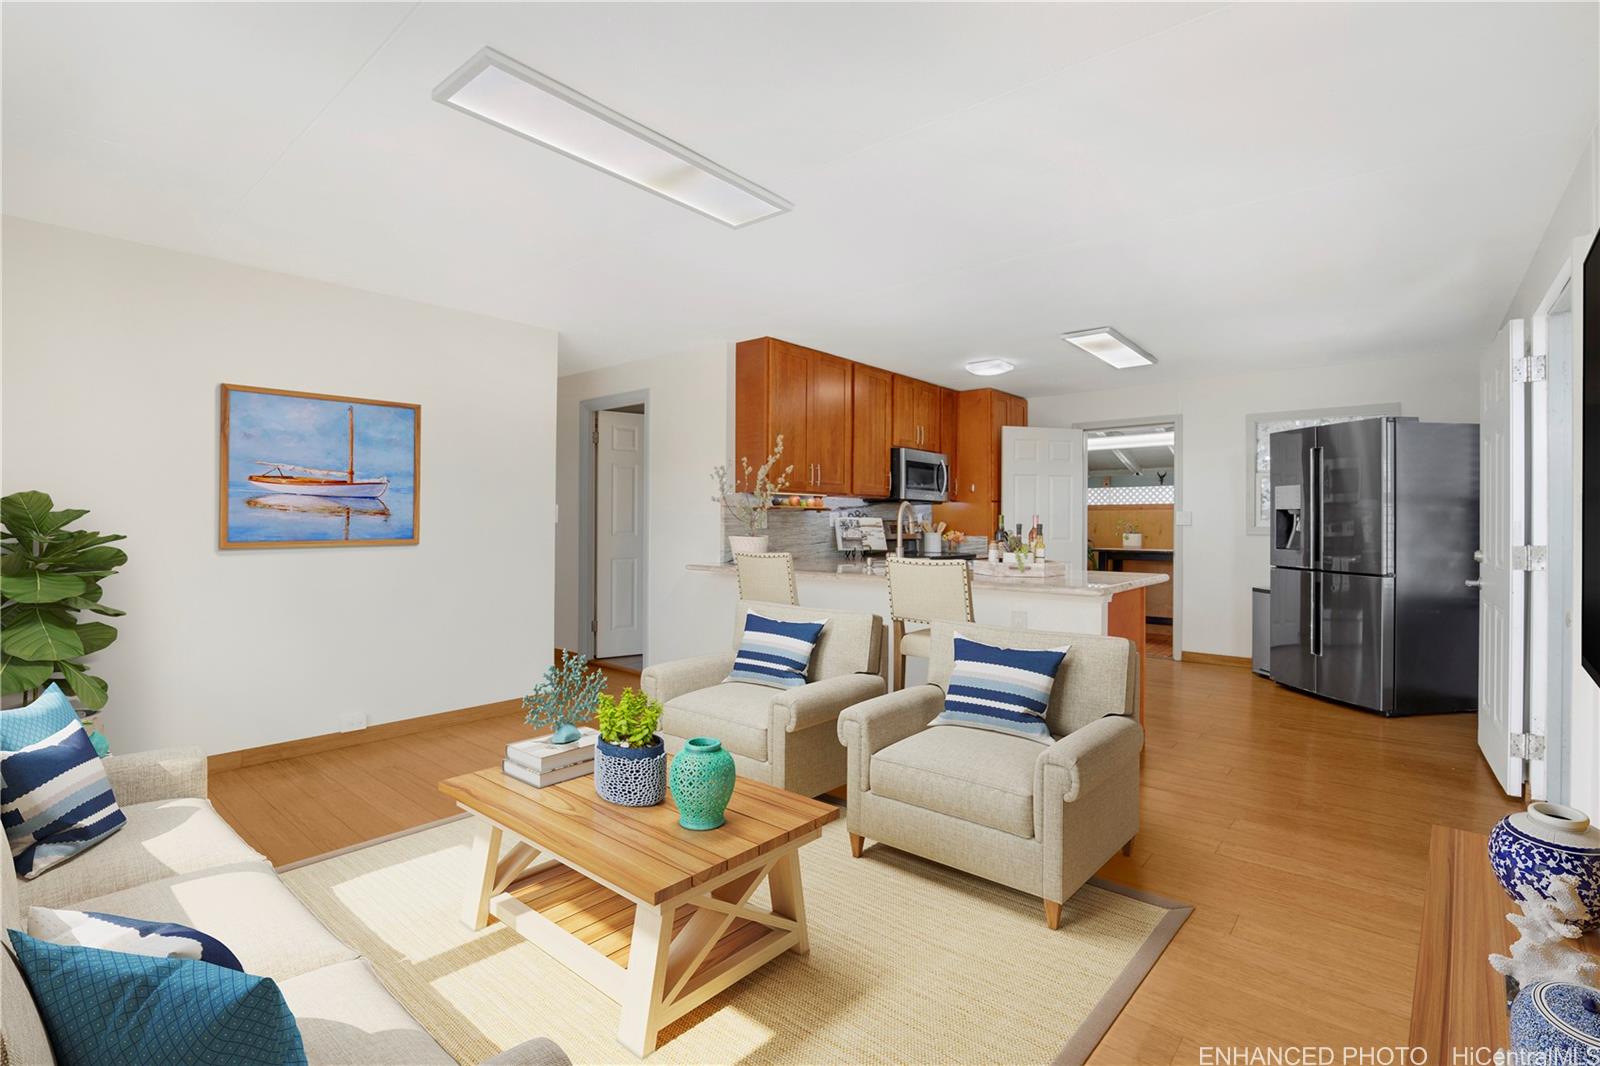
1039,819
785,737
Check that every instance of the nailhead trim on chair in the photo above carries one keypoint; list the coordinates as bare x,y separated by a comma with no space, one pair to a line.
794,597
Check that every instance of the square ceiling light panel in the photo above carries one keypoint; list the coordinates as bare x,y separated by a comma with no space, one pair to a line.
505,93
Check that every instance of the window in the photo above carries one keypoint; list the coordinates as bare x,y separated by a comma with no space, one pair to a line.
1259,429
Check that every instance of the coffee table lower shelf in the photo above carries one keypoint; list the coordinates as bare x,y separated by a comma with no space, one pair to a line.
658,961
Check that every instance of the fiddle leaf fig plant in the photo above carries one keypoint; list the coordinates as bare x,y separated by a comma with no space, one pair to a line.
629,719
49,576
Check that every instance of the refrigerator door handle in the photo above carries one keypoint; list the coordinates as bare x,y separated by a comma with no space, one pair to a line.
1314,506
1316,615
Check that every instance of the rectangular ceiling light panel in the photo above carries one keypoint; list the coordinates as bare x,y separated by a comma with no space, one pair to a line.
1110,347
502,92
1130,440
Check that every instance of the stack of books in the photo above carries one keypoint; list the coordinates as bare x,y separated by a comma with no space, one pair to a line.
541,763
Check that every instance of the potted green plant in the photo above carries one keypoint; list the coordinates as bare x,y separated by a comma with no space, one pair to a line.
50,576
749,507
1131,537
630,762
564,698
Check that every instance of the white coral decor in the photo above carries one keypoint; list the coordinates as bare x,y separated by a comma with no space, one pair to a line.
1544,951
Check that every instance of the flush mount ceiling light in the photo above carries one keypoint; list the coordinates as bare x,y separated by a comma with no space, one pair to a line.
518,99
1130,440
1110,347
988,368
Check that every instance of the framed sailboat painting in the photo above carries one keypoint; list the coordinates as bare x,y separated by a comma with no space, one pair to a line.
308,470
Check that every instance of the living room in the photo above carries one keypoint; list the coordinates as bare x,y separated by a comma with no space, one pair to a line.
1017,659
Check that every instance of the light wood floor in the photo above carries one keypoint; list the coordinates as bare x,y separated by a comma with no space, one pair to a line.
1298,829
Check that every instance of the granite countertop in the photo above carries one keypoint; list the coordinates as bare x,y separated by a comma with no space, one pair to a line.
1088,584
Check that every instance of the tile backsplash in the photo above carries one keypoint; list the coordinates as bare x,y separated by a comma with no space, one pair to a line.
808,535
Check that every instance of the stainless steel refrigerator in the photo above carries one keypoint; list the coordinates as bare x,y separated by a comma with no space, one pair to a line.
1374,529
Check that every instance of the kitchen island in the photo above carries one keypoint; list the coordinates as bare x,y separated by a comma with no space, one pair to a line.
1080,601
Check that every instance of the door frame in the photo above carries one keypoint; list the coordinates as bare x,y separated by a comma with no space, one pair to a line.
1177,508
587,614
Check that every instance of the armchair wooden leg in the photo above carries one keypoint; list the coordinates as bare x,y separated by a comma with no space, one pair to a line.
1127,849
1052,914
896,631
856,841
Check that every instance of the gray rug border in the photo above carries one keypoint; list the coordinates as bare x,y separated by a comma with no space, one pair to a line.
1079,1046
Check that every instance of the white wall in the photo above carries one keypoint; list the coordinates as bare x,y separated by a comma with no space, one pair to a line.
690,414
113,354
1220,561
1577,215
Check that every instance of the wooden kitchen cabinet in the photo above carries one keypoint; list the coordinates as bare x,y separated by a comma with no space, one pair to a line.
947,428
828,422
802,394
980,415
917,410
873,431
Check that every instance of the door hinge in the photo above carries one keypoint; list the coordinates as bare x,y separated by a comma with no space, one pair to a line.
1527,746
1529,368
594,435
594,625
1529,557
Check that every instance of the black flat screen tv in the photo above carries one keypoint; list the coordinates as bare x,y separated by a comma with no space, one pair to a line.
1589,534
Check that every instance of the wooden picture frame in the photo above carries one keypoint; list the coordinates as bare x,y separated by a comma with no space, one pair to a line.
282,501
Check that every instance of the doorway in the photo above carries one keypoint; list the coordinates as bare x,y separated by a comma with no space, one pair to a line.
1132,495
613,562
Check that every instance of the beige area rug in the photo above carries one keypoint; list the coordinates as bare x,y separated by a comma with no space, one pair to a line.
910,962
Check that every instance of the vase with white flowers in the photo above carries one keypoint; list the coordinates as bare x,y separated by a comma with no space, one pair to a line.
748,498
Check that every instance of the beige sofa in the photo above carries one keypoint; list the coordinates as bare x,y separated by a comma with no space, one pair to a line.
176,860
785,737
1039,819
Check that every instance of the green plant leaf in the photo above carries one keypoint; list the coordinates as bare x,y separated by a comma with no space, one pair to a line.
41,634
76,541
90,690
20,675
95,635
23,511
14,563
92,560
57,520
84,603
40,587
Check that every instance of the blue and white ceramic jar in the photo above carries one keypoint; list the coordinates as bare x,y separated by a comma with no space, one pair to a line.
1532,846
1557,1023
631,777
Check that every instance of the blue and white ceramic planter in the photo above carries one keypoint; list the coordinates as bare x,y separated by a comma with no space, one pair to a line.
1532,846
631,777
1557,1022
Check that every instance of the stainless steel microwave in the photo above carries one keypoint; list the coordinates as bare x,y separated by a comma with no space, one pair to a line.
923,477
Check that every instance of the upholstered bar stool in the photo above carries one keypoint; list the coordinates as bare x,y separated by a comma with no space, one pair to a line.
766,577
924,590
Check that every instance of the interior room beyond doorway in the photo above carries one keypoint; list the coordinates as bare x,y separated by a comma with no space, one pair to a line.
1131,499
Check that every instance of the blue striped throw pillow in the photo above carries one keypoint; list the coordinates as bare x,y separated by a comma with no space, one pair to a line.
112,932
55,799
774,653
1003,689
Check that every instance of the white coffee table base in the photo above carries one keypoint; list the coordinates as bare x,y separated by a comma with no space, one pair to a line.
657,960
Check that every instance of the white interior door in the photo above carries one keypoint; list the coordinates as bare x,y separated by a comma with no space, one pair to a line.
1042,473
619,535
1501,635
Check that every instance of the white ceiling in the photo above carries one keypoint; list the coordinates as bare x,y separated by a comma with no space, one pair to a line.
1235,188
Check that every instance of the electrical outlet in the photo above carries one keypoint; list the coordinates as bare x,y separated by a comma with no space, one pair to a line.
1019,619
349,723
1182,518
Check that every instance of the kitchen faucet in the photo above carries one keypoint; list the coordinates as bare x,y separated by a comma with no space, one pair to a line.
900,528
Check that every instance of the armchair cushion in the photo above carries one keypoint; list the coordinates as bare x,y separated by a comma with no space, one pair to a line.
976,775
735,713
774,652
1003,689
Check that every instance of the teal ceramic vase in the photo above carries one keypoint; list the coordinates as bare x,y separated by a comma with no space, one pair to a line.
702,783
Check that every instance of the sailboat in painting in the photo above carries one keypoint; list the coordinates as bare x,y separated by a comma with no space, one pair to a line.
310,481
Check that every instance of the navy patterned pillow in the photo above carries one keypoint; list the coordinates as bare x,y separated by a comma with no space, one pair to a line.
1003,689
775,652
55,798
112,932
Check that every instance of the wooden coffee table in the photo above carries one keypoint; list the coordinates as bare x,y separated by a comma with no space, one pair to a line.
656,916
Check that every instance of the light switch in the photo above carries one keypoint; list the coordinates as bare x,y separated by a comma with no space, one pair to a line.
1182,518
